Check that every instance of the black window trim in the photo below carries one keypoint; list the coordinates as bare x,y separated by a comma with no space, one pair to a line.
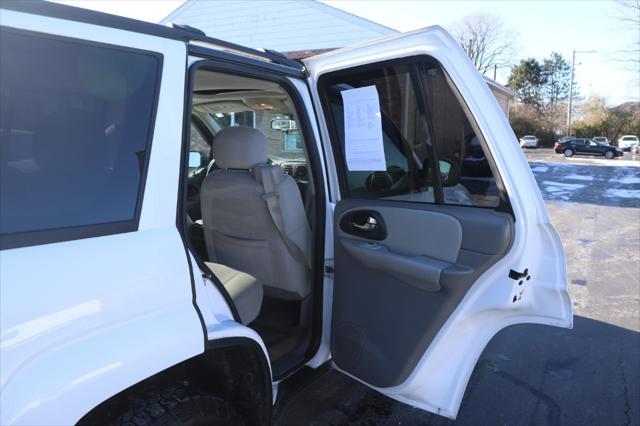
504,204
58,235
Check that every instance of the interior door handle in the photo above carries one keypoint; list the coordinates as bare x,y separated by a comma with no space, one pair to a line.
369,225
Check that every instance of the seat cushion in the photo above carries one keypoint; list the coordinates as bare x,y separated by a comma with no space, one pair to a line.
244,289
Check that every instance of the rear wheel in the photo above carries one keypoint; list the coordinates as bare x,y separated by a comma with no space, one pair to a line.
177,406
609,154
568,152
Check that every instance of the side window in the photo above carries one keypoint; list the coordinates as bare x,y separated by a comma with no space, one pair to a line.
284,141
75,125
199,149
422,120
456,142
404,136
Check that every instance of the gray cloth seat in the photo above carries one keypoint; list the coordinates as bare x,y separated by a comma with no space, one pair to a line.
245,290
263,234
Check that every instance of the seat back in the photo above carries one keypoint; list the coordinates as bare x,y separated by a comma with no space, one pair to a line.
238,226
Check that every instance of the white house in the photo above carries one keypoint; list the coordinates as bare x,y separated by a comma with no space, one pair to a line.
299,28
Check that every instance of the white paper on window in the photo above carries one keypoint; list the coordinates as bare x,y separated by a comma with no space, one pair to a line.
363,145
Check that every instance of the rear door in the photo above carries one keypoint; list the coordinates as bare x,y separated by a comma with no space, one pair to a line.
580,146
441,237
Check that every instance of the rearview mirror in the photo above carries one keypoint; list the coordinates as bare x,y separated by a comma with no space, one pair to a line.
283,124
195,159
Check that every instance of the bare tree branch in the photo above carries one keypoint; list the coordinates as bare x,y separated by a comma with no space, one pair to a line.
487,41
628,19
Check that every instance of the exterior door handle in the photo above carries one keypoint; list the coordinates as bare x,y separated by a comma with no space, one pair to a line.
369,225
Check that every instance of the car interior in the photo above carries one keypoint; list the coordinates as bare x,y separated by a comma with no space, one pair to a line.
250,206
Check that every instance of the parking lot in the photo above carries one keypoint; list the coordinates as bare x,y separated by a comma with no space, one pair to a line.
539,375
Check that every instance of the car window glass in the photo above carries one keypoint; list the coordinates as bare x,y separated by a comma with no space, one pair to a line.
456,141
411,130
199,149
404,136
284,140
75,121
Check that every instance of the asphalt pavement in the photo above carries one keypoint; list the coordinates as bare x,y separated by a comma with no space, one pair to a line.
533,374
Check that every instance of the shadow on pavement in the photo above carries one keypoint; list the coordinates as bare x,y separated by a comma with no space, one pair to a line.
527,375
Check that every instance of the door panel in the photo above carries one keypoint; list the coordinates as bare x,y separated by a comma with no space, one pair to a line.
402,303
413,308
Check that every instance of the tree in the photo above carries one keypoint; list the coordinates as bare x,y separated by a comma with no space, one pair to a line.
527,80
599,120
556,76
628,20
487,41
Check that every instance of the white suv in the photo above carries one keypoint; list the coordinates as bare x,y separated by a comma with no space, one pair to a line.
628,142
185,223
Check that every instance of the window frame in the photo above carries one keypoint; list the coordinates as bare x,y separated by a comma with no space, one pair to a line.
57,235
216,61
413,62
336,148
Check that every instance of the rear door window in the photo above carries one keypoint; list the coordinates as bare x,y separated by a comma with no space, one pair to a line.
75,130
424,123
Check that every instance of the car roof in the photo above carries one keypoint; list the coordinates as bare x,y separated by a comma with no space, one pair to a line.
184,33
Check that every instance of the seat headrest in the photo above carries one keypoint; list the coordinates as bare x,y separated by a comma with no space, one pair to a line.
239,148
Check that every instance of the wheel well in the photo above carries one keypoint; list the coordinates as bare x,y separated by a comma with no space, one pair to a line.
234,369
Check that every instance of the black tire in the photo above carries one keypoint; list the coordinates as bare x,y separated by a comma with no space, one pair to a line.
609,154
177,406
568,152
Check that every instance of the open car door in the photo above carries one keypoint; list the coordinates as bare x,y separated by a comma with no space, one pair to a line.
441,236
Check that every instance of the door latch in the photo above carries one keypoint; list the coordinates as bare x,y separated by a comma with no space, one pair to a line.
515,275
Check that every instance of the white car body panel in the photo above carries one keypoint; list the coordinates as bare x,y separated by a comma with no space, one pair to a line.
438,382
64,347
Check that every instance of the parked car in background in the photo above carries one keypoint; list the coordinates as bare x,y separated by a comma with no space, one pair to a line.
627,142
636,149
581,146
601,139
529,141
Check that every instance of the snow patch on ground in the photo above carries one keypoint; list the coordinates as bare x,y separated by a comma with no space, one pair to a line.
627,180
539,169
561,190
622,193
578,177
562,186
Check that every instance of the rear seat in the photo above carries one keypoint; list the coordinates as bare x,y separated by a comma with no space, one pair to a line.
244,289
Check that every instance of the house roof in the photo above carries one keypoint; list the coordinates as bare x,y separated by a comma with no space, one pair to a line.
283,25
299,27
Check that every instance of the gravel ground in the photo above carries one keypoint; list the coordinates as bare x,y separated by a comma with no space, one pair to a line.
532,374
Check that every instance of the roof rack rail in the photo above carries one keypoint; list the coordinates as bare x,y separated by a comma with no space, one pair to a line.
269,54
184,33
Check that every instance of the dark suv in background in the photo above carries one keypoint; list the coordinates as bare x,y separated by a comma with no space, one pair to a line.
580,146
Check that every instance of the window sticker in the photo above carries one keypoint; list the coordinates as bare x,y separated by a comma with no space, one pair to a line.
364,149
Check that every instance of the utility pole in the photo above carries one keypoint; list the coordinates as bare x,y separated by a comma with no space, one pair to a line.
573,68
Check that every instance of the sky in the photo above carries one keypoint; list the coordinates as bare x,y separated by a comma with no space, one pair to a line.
542,26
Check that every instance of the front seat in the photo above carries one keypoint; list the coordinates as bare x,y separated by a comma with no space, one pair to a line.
253,216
